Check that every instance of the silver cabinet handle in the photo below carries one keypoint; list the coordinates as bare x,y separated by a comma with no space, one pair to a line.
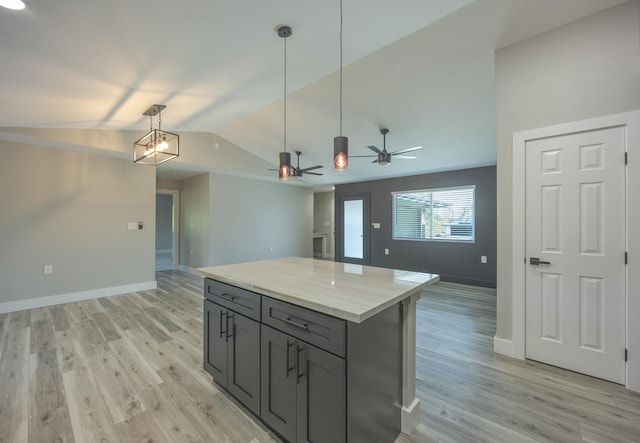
303,326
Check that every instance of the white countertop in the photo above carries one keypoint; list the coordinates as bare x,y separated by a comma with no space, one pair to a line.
347,291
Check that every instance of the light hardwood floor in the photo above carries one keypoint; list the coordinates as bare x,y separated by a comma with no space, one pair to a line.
128,369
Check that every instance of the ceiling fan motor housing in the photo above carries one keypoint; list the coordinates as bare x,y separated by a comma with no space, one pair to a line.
384,158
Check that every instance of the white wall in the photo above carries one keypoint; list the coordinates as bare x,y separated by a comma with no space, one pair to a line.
70,210
586,69
164,222
248,217
194,221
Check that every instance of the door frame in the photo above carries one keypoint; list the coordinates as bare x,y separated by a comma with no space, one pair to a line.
631,122
175,237
366,228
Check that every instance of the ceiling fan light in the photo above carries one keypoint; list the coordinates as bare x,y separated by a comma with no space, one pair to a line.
340,153
284,166
384,159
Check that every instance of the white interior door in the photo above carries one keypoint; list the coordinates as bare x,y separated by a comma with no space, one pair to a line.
575,228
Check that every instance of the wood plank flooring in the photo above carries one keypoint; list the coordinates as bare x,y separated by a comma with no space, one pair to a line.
128,368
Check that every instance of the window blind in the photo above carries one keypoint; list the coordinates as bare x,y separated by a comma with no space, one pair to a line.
435,214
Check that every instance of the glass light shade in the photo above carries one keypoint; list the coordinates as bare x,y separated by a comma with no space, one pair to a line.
384,159
156,147
284,166
340,153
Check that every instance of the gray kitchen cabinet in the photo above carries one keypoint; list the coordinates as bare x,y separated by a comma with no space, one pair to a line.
311,377
278,382
303,389
232,349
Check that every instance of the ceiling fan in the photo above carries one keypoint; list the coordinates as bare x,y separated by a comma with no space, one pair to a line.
383,158
299,172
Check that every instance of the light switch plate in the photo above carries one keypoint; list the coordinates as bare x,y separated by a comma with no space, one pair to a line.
375,225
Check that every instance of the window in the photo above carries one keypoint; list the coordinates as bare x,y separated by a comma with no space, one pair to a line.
435,214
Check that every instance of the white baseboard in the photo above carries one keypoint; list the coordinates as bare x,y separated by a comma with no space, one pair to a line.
41,302
410,417
502,346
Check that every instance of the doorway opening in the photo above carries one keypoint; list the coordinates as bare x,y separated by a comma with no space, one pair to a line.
167,230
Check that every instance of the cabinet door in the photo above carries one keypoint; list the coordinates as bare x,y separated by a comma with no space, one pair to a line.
244,360
215,342
278,382
321,396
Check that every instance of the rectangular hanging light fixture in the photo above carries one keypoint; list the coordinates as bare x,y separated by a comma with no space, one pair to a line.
157,146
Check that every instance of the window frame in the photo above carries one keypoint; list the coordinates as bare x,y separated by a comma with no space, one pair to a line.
449,239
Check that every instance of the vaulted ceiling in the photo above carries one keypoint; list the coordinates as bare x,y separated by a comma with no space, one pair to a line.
424,69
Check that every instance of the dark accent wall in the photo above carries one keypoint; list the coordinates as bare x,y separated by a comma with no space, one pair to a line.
456,262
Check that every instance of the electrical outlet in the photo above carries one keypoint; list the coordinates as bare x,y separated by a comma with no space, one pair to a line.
386,251
191,251
48,269
483,259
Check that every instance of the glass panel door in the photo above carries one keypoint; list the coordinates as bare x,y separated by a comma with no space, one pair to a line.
352,233
353,229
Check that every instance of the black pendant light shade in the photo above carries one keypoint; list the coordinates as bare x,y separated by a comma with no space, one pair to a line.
340,153
284,166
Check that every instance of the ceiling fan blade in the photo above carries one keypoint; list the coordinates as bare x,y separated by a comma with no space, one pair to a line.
375,161
312,168
313,173
374,149
402,151
405,157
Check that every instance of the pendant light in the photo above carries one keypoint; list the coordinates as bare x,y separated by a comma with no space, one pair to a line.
156,146
284,157
340,143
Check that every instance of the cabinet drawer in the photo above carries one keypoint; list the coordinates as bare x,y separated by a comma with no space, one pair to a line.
318,329
240,300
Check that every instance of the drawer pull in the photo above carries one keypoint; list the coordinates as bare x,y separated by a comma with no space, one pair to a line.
303,326
227,296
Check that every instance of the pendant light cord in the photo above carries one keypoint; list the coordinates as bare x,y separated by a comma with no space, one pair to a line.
340,67
285,94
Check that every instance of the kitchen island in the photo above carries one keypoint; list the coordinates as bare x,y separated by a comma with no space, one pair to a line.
318,350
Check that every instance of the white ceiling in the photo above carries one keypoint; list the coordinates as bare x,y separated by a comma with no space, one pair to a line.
423,68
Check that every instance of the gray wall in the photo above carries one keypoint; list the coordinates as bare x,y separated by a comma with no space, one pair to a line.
323,217
164,219
586,69
194,221
458,262
255,220
70,210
